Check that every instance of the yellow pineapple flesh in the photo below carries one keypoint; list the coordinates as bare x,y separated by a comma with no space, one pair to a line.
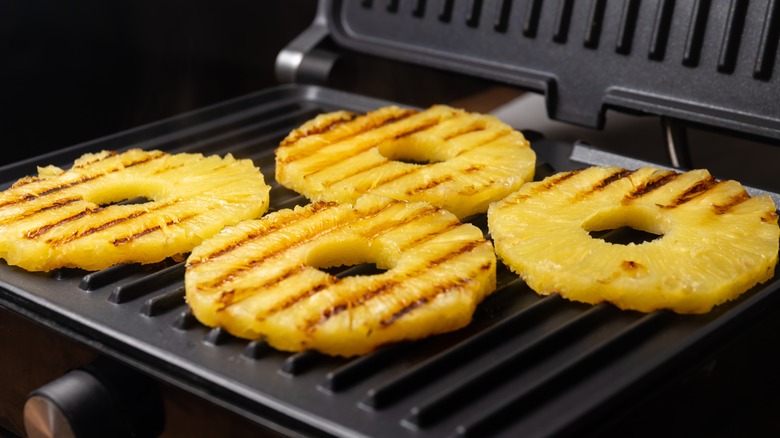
448,157
77,218
265,279
715,240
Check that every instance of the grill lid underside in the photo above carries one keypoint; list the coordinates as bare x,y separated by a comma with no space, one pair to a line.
710,63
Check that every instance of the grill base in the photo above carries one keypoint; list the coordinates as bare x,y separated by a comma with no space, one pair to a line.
527,365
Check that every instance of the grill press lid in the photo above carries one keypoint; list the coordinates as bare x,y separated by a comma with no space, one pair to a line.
712,63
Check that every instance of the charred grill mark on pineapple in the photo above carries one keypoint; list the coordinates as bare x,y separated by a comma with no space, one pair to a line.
495,137
303,214
25,181
553,181
279,252
399,175
234,296
26,197
427,237
368,145
373,166
605,182
37,232
656,181
250,264
475,188
387,322
145,231
382,229
428,124
770,217
334,310
695,190
375,121
59,203
147,159
318,129
389,284
291,301
731,203
343,176
465,129
545,185
387,179
178,166
429,185
33,234
95,159
370,122
404,132
432,293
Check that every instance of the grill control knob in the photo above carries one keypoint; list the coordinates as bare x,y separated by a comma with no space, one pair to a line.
103,399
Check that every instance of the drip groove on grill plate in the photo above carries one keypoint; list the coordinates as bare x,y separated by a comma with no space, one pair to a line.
438,365
767,47
474,12
503,11
147,284
218,336
694,39
257,349
627,28
298,363
445,10
445,403
531,18
185,321
259,128
659,37
98,279
732,35
163,303
419,8
595,24
354,371
557,379
562,21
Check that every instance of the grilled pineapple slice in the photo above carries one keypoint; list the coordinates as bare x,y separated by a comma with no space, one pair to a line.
260,279
77,217
450,158
716,241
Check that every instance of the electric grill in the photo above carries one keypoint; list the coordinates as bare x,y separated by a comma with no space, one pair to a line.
527,365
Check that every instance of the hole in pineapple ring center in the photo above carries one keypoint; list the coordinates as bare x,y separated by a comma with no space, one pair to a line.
127,201
413,149
346,257
121,193
626,225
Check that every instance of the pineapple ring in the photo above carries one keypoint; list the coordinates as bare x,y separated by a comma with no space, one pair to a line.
260,279
716,241
76,217
462,161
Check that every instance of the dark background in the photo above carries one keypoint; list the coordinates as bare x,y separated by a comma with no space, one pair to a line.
76,70
72,71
